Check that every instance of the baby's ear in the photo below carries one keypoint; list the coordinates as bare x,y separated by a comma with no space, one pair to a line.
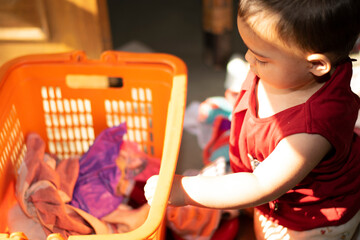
319,64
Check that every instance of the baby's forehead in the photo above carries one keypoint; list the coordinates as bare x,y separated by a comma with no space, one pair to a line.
264,24
271,24
265,27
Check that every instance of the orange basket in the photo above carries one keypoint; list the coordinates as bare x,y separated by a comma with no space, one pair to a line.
38,92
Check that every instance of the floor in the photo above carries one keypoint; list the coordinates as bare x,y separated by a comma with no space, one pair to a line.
175,27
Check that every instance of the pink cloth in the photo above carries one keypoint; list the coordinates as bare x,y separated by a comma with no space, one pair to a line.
42,191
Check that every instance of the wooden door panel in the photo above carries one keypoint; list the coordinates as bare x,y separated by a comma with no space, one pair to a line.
50,26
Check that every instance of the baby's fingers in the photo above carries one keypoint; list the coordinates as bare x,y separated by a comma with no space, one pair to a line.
150,187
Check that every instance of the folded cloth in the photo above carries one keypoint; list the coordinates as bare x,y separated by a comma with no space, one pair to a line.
95,189
218,145
213,107
125,218
191,222
43,191
111,172
19,222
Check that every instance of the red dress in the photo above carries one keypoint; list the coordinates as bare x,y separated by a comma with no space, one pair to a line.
330,194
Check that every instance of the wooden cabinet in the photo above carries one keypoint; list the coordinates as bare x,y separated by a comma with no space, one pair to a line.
50,26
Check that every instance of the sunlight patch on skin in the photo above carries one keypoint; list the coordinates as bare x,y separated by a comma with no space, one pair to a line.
264,24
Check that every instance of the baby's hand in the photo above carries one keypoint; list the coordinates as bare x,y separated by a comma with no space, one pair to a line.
177,194
150,187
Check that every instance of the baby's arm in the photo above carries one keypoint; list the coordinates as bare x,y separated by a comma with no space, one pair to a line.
293,158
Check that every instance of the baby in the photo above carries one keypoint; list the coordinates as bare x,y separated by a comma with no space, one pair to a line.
293,150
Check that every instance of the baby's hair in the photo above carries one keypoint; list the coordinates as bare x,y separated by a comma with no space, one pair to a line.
317,26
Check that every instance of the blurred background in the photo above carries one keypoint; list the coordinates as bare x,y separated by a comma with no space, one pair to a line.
177,27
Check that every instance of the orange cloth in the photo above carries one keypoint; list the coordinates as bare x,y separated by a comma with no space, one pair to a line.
191,222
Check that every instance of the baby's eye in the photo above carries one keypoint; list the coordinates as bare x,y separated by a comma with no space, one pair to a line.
259,61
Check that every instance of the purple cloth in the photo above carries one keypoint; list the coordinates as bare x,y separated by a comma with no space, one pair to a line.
95,189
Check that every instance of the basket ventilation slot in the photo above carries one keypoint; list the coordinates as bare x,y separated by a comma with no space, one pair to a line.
137,113
12,144
69,123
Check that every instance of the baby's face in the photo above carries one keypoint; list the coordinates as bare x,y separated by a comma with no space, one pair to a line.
280,66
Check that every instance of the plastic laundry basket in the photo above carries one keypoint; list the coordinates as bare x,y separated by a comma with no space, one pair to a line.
38,93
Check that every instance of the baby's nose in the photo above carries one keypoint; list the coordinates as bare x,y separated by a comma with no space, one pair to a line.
249,58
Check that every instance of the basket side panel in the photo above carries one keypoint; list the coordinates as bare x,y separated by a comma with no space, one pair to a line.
12,150
69,119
